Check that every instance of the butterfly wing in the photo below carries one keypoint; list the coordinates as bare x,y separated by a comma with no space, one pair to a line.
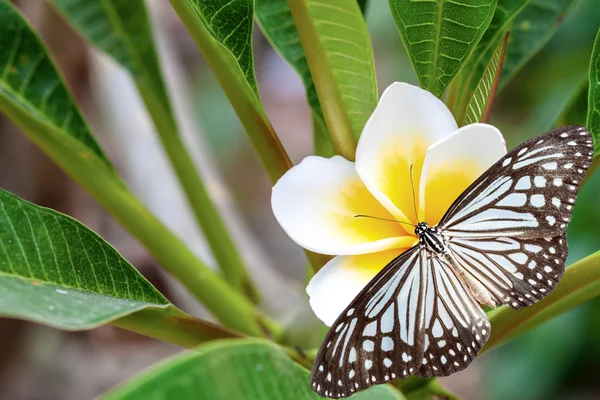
397,327
529,193
516,271
380,324
456,327
508,228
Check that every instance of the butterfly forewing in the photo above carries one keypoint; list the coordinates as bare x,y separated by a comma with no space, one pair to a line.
530,192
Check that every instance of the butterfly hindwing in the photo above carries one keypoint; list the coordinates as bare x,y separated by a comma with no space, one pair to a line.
374,330
414,317
456,327
516,271
530,192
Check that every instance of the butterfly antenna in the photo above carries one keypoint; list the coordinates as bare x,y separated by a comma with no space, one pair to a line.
382,219
412,185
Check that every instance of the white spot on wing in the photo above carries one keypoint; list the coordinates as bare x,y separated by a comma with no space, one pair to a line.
537,200
437,330
524,183
520,258
539,181
387,343
370,329
513,200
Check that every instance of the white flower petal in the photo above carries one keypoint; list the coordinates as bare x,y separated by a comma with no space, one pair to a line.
453,163
316,203
405,123
333,288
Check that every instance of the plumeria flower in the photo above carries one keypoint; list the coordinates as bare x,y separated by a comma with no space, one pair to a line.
360,211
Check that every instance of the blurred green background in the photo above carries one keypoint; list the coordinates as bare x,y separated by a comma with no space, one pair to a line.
558,360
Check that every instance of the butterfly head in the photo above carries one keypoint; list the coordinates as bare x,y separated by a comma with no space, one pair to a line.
421,228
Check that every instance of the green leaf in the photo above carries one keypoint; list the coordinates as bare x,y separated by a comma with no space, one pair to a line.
121,29
231,23
277,24
479,108
575,108
337,46
580,283
28,80
593,117
431,389
56,271
531,30
363,4
232,369
34,97
440,35
472,72
222,29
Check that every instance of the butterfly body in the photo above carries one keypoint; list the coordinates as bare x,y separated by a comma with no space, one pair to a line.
502,242
430,238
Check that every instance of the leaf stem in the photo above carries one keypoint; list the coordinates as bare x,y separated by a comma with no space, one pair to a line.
242,97
102,183
144,67
336,115
489,103
215,231
173,326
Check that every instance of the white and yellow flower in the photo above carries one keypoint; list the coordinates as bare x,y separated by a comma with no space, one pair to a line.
317,201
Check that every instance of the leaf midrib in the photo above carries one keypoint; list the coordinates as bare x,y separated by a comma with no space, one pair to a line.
438,34
81,290
101,244
35,113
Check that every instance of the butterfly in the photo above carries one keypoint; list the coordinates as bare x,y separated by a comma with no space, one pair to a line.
502,242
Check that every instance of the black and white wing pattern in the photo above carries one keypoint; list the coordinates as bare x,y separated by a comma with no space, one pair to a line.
508,228
414,317
516,271
529,193
456,327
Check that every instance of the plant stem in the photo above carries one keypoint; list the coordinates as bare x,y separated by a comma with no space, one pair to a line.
173,326
244,100
144,67
215,232
105,186
336,116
